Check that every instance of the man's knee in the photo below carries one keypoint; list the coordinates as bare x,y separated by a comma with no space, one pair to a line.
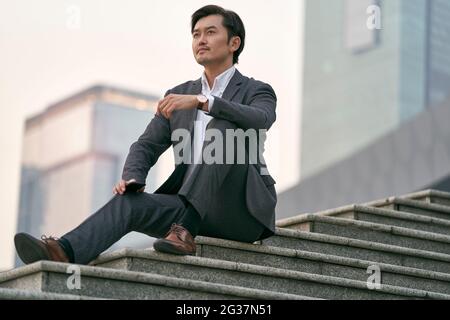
128,199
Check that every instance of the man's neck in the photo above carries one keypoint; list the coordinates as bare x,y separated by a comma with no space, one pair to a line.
211,72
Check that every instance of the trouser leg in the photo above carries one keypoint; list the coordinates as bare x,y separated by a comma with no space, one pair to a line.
151,214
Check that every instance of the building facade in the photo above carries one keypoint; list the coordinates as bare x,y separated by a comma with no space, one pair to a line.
73,155
361,83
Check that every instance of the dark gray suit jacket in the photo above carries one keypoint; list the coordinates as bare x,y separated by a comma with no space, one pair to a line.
246,102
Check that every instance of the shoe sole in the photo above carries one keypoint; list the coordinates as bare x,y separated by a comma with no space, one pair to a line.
28,249
167,247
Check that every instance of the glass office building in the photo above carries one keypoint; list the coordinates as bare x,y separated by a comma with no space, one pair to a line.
361,83
73,154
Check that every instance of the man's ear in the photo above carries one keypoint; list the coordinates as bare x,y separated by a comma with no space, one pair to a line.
236,43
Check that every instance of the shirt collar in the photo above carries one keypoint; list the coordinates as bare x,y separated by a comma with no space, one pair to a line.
221,79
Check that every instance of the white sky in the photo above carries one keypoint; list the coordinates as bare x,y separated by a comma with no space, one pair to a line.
143,45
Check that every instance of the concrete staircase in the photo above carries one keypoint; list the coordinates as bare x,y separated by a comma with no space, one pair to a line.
326,255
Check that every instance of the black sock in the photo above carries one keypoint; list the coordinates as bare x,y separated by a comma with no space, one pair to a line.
67,247
191,220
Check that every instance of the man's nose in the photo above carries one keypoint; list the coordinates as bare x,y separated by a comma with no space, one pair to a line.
202,39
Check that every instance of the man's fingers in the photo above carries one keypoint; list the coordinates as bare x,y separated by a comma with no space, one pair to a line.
162,108
116,190
121,187
164,113
162,103
169,111
165,104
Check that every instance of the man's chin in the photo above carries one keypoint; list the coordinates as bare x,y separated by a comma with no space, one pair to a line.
203,63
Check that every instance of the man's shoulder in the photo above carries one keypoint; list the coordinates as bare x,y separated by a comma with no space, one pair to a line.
258,83
258,86
252,82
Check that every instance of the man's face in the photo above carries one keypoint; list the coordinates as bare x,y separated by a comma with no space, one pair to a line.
211,35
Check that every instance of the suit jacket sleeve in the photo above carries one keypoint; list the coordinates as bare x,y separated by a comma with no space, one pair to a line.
147,149
258,114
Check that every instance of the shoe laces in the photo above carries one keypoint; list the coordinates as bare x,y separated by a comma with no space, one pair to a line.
46,239
178,229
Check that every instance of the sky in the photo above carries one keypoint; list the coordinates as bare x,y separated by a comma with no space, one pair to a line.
50,49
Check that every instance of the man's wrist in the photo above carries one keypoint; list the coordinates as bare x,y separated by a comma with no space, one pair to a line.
202,102
205,106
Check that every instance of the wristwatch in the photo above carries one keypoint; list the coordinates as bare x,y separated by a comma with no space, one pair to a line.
201,101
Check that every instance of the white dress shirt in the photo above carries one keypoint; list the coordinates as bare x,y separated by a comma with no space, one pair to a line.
220,84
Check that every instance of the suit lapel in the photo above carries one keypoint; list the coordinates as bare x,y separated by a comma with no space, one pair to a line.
233,87
230,92
196,89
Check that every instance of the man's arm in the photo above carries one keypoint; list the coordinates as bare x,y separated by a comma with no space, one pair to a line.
258,114
147,149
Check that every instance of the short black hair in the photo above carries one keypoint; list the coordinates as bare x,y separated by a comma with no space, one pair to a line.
231,21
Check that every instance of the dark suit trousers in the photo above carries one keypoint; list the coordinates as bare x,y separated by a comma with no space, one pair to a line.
153,214
224,214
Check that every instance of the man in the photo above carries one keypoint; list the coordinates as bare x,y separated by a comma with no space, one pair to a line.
232,201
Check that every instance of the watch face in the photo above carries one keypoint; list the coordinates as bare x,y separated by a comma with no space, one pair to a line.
202,98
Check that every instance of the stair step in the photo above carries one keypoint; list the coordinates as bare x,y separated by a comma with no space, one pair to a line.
303,278
379,233
325,255
51,277
413,206
354,248
15,294
430,196
325,264
376,215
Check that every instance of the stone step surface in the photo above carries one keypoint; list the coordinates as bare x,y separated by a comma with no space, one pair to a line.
425,196
379,233
430,203
325,255
429,196
352,248
377,215
15,294
423,208
52,277
289,271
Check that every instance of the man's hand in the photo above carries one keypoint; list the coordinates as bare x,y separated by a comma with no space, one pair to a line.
121,187
174,102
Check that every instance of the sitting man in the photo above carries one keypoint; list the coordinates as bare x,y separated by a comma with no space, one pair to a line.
231,201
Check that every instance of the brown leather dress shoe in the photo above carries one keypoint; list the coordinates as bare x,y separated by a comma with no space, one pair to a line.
177,241
31,249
